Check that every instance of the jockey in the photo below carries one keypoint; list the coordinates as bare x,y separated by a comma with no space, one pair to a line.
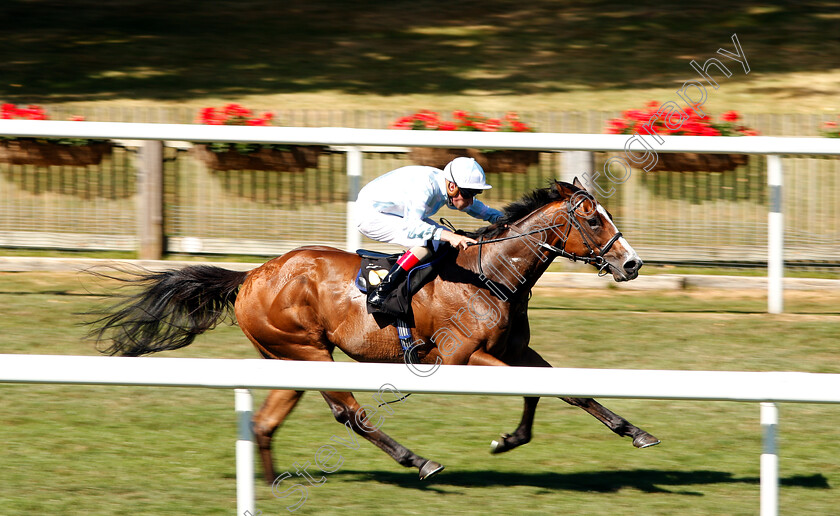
396,207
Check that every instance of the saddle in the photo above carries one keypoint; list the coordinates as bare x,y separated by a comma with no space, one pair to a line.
376,265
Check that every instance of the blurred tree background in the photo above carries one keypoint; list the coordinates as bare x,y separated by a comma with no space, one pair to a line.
489,54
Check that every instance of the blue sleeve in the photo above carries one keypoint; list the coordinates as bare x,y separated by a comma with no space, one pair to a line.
481,211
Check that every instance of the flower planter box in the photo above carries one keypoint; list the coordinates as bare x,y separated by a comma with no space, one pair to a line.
296,159
45,154
693,162
655,117
514,161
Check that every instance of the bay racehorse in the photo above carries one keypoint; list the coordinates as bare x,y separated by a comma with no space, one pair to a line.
304,304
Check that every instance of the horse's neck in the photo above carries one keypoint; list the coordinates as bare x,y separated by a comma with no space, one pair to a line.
514,264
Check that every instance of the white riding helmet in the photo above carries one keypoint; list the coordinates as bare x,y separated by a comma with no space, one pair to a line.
466,173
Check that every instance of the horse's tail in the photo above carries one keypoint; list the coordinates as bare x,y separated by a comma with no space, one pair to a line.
171,308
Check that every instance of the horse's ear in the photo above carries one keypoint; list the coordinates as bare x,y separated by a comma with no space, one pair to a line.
578,184
564,188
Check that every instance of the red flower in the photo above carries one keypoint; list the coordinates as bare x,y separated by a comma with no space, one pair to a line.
426,116
830,130
426,119
493,124
616,126
637,114
730,116
402,123
232,114
30,112
519,127
463,121
639,121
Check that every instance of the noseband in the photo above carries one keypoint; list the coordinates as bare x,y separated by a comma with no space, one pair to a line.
594,257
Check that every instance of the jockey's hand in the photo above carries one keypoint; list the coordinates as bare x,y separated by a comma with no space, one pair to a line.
457,241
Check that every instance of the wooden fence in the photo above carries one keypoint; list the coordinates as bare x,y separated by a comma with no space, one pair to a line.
700,217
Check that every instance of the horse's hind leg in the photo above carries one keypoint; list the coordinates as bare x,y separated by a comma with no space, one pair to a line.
271,415
347,411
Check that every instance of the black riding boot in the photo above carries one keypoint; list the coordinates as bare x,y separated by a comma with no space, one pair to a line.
388,284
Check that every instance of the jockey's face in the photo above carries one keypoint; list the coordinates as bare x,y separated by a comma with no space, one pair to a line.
461,199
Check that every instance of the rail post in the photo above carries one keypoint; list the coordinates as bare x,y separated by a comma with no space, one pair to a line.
775,237
575,163
150,200
354,177
769,489
245,497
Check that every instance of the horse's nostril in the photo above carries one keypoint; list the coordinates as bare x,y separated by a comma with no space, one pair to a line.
631,266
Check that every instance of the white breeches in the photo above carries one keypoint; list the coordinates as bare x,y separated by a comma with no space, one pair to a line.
385,227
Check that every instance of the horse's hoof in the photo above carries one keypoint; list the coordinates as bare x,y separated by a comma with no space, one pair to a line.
645,440
430,469
499,446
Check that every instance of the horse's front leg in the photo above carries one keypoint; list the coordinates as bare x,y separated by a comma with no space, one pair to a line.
613,421
522,434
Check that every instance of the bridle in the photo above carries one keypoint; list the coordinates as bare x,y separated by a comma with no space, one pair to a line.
594,257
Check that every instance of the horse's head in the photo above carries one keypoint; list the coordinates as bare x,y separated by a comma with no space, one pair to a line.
565,220
590,233
569,222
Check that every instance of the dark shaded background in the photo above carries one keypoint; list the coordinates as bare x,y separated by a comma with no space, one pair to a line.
56,51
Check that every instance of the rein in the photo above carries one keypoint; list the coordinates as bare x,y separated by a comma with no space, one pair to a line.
593,258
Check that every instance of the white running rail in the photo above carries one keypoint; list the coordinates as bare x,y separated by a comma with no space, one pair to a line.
768,388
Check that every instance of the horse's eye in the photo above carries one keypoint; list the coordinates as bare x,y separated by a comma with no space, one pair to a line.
594,223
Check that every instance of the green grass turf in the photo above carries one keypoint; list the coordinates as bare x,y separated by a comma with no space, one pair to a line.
160,451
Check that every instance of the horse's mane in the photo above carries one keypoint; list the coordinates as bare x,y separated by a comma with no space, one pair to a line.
516,210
